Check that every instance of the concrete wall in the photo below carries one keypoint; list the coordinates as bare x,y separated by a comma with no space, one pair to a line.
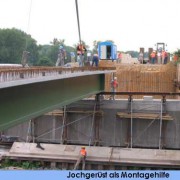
113,131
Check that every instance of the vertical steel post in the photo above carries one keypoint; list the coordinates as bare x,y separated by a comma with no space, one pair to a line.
160,133
63,126
131,125
92,126
97,119
28,132
33,130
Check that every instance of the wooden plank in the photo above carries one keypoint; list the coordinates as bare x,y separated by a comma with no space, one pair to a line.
143,116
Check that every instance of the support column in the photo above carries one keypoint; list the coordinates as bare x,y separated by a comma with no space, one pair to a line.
33,130
97,120
54,128
130,123
30,132
164,124
64,127
160,124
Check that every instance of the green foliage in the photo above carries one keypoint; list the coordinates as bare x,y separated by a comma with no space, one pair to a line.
57,41
177,53
30,165
45,61
95,46
25,164
48,54
12,44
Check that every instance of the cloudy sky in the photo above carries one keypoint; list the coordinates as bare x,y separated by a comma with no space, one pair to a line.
131,24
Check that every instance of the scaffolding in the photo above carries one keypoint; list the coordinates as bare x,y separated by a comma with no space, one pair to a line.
148,109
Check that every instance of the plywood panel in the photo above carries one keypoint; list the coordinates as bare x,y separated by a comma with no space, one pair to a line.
143,78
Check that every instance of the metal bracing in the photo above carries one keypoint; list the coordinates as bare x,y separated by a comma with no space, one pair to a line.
159,110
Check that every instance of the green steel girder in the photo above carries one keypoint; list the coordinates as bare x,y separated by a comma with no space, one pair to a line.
24,102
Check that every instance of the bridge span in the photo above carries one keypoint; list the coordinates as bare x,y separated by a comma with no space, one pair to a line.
29,92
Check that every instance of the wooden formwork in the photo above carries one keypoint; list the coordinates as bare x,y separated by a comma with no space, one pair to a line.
142,78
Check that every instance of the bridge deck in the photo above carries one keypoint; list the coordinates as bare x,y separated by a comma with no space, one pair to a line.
101,155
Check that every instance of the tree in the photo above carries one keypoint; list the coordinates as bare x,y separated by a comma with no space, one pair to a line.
50,52
134,54
12,44
45,61
176,56
58,42
95,45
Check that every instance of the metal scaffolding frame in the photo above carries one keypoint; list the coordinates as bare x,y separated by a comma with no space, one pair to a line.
160,112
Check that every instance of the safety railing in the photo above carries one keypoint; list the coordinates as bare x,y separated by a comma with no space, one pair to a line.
12,74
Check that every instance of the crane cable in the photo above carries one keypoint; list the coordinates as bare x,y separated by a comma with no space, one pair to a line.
77,13
28,23
25,53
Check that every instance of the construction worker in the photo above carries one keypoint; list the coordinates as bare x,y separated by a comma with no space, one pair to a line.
61,56
164,57
82,157
153,57
114,85
141,57
89,58
24,60
81,49
95,60
119,58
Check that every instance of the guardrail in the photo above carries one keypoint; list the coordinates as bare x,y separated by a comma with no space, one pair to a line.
12,74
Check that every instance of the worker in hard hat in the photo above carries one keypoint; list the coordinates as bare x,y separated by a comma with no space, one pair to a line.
164,57
82,157
114,86
24,60
153,57
61,56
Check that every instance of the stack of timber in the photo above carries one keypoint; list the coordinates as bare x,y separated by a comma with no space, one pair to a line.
142,78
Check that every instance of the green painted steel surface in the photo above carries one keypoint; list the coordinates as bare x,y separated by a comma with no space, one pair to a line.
22,103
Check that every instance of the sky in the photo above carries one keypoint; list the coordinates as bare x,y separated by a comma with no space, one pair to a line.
131,24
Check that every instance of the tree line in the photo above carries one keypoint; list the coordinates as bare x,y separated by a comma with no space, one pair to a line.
14,41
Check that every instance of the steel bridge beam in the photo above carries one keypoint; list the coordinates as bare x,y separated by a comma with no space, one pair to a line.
26,101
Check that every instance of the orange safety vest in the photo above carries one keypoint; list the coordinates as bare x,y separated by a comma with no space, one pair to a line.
83,152
175,58
119,55
153,55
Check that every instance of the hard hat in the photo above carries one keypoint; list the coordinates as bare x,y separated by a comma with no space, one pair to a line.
115,77
61,47
83,147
